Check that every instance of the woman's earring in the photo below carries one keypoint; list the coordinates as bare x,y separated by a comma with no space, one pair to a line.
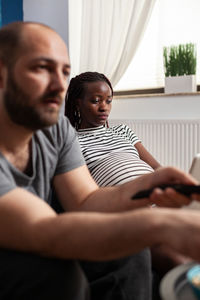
77,116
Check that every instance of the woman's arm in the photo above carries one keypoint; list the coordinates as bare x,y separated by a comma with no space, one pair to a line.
146,156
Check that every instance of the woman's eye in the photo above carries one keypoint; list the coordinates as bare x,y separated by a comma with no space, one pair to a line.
109,101
95,101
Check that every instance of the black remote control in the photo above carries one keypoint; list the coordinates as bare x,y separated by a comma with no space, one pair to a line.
184,189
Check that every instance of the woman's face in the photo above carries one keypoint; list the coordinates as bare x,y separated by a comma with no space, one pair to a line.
95,106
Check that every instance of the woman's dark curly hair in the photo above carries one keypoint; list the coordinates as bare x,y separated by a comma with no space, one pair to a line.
76,90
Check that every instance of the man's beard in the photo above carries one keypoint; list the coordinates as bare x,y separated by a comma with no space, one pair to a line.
17,105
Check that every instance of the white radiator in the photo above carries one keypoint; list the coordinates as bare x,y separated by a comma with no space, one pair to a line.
171,142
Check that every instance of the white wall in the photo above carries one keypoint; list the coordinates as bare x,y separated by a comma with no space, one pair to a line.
157,107
50,12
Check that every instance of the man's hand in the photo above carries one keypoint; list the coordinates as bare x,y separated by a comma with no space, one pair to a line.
169,197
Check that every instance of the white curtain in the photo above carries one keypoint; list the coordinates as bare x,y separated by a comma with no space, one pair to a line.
104,34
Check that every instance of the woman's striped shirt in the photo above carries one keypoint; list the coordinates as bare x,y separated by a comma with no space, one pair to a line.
110,154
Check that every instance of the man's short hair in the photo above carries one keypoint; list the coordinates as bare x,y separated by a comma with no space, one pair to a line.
11,41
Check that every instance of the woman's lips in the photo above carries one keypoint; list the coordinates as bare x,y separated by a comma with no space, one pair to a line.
103,117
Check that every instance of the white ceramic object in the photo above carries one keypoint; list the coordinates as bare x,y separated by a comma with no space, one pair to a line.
180,84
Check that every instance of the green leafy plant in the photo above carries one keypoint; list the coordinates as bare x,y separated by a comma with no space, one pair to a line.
180,60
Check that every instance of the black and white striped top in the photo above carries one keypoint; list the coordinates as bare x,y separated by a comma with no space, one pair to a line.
110,154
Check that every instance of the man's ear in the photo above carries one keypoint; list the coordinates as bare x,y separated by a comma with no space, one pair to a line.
3,71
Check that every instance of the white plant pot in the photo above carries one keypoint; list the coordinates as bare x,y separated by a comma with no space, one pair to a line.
180,84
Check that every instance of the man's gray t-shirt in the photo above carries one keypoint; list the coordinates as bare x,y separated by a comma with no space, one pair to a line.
55,150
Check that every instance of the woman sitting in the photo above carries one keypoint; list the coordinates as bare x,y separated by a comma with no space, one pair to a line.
114,155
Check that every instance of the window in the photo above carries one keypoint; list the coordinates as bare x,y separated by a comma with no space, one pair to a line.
172,22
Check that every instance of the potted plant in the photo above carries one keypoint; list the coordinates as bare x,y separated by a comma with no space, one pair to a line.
180,68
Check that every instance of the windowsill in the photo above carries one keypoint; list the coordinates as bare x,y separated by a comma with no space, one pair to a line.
157,92
157,106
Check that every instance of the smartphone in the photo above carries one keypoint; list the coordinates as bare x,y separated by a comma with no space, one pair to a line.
195,167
